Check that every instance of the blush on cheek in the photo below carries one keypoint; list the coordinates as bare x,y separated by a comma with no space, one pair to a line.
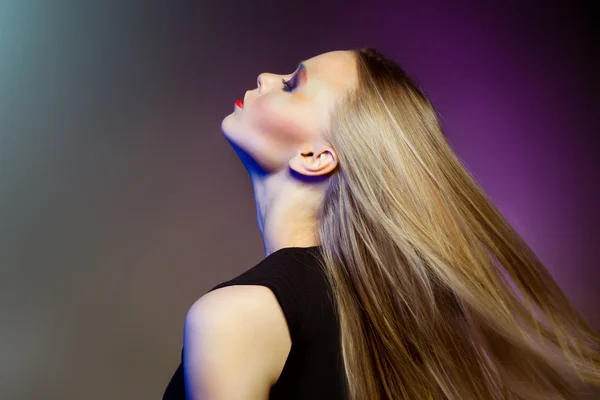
269,115
280,119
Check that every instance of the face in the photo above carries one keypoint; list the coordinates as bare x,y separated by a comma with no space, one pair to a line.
281,122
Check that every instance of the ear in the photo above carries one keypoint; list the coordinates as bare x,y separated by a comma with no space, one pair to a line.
314,162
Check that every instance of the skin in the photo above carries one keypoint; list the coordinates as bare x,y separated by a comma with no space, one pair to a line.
279,137
236,339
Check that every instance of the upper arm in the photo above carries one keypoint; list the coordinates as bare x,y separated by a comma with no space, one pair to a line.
236,342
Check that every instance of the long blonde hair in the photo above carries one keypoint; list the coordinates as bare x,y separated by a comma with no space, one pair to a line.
437,296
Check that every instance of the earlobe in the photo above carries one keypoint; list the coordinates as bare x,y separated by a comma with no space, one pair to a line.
312,164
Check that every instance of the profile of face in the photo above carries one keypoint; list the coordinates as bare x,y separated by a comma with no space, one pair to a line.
281,123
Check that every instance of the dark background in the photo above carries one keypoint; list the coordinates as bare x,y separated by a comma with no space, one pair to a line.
121,202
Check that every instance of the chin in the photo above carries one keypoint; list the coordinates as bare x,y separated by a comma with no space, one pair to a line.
226,124
228,128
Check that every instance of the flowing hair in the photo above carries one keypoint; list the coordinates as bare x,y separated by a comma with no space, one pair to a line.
436,294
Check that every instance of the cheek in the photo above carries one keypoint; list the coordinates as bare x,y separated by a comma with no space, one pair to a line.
277,117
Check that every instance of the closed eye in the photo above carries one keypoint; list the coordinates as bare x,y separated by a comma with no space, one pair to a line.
290,85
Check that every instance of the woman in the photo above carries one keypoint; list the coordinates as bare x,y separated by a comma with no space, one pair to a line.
388,273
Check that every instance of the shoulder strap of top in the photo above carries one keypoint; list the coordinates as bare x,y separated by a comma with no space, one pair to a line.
292,274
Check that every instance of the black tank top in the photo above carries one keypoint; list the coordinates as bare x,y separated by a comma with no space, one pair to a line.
314,368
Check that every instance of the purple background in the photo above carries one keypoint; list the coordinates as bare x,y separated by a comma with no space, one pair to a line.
122,203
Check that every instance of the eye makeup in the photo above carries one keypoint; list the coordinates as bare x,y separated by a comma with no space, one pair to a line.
299,77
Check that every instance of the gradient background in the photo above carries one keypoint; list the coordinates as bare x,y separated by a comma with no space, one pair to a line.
121,202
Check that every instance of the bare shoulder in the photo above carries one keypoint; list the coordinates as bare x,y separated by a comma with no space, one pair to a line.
236,342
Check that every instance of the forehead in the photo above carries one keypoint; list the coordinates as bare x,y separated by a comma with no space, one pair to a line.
334,71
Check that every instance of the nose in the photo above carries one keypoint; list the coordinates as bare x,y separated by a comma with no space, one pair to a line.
265,82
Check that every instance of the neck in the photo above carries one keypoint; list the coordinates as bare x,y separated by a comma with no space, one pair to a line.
286,211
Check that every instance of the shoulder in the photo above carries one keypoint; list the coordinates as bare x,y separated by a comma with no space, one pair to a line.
236,342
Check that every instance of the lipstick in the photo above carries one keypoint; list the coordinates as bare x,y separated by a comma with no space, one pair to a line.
239,103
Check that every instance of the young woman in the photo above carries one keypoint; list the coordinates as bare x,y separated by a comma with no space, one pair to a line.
388,273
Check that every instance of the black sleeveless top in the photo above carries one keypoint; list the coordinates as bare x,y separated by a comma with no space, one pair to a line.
314,368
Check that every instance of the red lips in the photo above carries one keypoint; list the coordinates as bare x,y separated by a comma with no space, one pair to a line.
239,103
